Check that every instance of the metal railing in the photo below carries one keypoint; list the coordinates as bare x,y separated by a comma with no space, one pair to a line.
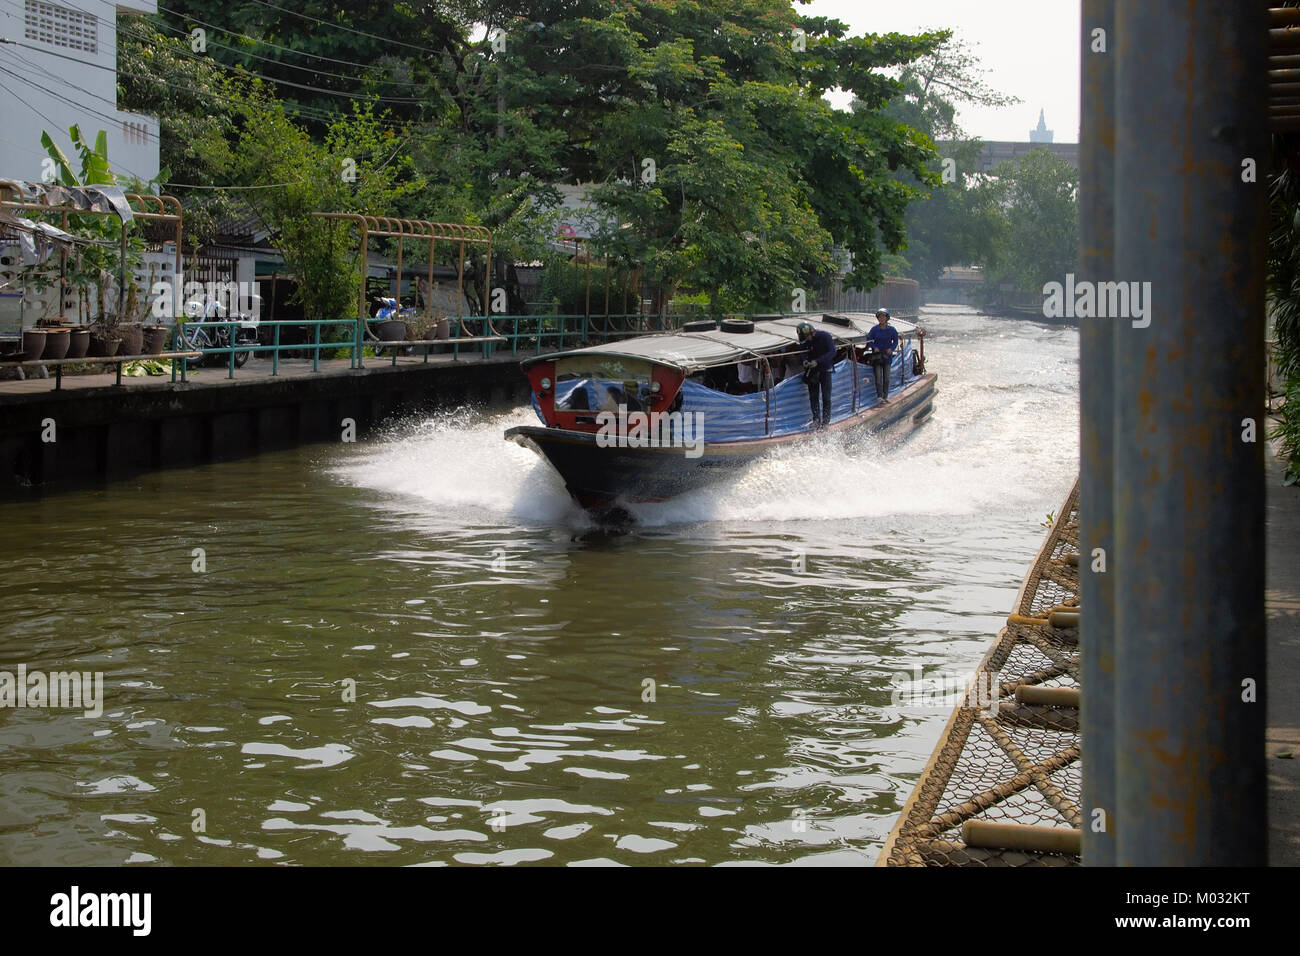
520,333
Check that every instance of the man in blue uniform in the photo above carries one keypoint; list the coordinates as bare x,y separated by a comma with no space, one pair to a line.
817,370
883,340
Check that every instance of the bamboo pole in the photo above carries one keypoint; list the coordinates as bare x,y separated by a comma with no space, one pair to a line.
1017,836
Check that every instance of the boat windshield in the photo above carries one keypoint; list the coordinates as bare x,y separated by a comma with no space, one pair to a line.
601,382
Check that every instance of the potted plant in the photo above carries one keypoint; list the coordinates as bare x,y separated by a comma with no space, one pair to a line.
100,264
105,340
435,328
78,341
58,338
33,343
129,327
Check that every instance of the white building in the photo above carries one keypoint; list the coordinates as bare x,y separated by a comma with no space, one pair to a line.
58,68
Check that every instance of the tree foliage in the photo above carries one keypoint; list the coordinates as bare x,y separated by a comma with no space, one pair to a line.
955,224
755,179
1037,240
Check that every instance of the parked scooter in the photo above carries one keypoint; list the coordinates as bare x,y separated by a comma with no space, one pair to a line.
384,308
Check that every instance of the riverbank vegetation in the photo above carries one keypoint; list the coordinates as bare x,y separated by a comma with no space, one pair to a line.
711,162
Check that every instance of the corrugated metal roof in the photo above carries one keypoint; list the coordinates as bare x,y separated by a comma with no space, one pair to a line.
694,350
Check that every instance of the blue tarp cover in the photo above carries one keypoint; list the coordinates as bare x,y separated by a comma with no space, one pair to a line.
739,417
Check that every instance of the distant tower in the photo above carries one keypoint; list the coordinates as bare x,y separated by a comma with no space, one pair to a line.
1042,134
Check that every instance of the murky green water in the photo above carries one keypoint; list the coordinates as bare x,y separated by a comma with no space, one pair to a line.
720,685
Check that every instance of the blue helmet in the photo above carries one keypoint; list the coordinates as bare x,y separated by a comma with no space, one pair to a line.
803,330
884,312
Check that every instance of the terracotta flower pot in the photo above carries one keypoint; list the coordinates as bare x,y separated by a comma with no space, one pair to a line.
438,331
155,339
103,345
56,343
78,342
132,337
391,330
34,343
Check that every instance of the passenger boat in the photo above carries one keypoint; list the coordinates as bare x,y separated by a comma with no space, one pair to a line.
650,417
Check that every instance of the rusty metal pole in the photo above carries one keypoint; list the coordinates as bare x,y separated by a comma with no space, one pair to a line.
365,270
1096,438
1188,564
398,295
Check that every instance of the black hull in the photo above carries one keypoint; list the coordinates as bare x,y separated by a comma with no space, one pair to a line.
602,478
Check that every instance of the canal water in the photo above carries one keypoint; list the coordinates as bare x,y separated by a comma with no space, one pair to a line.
413,650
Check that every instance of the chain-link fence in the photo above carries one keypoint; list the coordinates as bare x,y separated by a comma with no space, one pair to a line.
1003,785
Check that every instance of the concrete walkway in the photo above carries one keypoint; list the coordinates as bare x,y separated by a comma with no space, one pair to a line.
1282,602
256,369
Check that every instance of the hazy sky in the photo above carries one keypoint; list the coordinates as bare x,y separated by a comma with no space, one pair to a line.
1030,49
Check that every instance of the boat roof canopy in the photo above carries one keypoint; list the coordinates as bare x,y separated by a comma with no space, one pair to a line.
690,351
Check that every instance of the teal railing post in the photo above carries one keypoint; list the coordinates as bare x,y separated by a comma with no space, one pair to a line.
315,355
179,332
275,355
360,338
514,341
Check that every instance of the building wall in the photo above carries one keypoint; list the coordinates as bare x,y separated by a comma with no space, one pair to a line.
64,73
995,153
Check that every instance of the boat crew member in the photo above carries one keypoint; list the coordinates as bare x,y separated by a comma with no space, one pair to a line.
883,340
817,370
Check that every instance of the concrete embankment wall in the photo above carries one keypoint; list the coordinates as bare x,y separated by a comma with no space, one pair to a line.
116,432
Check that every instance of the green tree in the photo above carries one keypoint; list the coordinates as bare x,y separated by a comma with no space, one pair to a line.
158,74
756,178
321,56
104,263
951,226
1038,197
358,168
717,161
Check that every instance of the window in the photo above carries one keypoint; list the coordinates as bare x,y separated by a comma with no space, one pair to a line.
59,26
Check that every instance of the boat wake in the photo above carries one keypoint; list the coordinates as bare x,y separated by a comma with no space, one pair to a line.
974,454
1004,434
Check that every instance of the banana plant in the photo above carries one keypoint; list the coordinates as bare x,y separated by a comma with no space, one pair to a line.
94,262
95,170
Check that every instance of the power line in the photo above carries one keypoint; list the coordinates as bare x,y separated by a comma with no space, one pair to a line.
274,46
336,26
64,81
86,109
315,71
146,132
399,100
56,125
304,111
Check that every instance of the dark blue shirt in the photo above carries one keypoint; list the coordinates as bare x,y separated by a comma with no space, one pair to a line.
822,349
883,339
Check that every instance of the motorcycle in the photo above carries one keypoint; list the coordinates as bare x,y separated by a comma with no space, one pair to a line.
207,327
